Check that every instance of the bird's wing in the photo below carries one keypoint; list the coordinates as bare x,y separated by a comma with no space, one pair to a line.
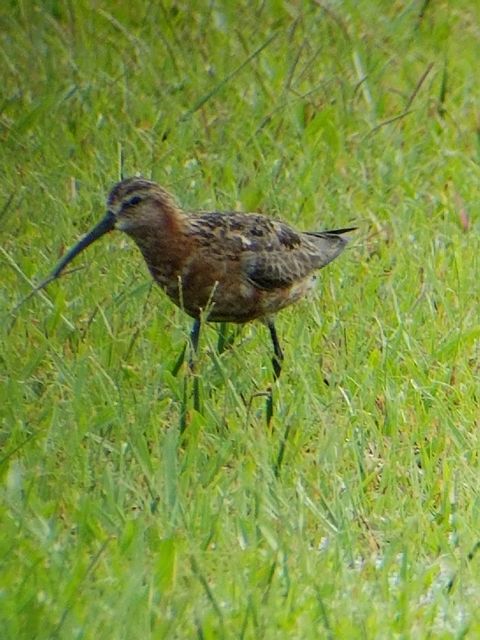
272,254
294,258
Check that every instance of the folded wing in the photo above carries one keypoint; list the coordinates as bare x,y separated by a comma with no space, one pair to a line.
293,258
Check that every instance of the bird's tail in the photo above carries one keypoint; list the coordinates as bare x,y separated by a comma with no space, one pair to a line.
328,244
331,232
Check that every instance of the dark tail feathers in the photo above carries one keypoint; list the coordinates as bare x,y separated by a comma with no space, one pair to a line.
331,232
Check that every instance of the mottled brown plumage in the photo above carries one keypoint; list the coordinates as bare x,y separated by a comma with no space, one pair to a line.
231,267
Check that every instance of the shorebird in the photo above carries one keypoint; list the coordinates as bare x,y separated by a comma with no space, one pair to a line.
219,267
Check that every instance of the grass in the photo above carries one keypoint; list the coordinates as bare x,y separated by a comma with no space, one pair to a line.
357,514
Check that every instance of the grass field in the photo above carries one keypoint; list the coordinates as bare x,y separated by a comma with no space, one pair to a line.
357,514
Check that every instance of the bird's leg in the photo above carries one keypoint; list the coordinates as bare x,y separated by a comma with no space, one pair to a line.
269,406
277,350
194,338
277,366
193,342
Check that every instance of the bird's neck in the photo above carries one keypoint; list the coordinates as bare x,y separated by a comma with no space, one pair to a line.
164,246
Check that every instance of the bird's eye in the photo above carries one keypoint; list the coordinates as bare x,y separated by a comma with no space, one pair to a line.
132,202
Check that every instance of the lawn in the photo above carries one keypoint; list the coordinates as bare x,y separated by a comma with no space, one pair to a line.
356,514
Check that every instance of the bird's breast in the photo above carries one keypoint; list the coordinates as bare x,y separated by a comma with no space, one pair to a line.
205,279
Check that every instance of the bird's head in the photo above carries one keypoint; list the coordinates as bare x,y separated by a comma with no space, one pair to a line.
135,205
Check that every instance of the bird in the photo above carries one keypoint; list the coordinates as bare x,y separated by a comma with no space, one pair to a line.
217,266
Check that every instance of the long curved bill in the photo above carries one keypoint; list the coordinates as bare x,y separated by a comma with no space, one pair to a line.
104,226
